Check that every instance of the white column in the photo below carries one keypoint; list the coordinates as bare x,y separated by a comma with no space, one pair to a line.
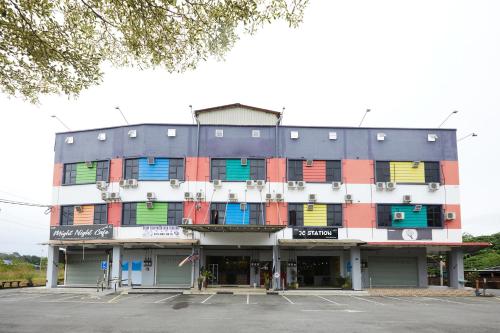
52,266
116,268
456,268
356,268
277,267
422,269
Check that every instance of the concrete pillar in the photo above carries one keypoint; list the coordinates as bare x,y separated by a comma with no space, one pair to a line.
52,266
422,269
196,266
277,267
356,268
116,267
456,268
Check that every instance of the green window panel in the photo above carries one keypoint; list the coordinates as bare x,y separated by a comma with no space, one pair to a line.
155,215
84,174
237,172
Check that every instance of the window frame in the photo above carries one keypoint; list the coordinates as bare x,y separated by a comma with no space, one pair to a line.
440,213
71,173
134,168
426,176
254,169
257,213
298,208
428,170
221,212
332,214
62,220
181,168
219,173
175,212
331,178
296,163
103,214
73,179
132,215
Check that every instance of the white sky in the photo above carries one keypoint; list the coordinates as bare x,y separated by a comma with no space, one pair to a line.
411,62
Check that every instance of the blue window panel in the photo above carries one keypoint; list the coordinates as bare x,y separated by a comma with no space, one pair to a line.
412,219
136,266
234,215
157,171
125,266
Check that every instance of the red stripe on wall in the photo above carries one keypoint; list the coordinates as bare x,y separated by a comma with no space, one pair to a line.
357,171
198,169
277,213
359,215
450,173
115,214
116,170
197,211
276,170
456,223
58,174
55,213
314,173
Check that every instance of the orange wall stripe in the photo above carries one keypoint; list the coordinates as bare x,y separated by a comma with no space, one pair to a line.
203,169
276,170
357,171
115,214
116,170
55,213
58,174
277,213
359,215
456,223
450,174
199,214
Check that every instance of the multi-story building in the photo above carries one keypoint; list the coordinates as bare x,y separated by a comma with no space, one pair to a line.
252,201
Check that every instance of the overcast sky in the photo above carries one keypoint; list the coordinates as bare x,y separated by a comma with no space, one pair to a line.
411,62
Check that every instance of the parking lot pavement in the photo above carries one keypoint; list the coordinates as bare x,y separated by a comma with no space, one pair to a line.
77,312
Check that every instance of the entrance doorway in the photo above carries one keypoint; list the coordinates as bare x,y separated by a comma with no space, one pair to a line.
230,270
318,272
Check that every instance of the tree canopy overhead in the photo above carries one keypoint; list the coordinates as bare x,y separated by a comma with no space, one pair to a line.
58,46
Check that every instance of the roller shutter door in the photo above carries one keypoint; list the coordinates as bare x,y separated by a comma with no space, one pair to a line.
170,274
84,270
393,271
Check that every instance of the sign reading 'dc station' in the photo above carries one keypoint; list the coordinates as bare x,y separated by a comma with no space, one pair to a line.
315,233
81,232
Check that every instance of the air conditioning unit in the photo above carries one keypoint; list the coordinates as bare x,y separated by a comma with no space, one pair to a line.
399,216
233,197
310,206
105,196
269,197
348,198
187,221
309,163
200,196
114,196
151,160
279,197
312,197
260,183
132,183
244,161
250,183
433,186
336,185
390,186
188,196
415,164
417,208
151,196
450,216
150,205
79,209
243,206
132,133
101,185
217,183
301,184
406,198
101,136
89,164
175,182
380,186
291,184
123,183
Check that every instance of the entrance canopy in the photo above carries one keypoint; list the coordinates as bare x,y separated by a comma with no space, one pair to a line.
158,242
233,228
310,243
443,246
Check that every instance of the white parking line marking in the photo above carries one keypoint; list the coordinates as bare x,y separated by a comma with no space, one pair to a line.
166,299
289,300
115,298
206,299
343,310
405,300
367,300
447,301
328,300
9,299
66,298
248,298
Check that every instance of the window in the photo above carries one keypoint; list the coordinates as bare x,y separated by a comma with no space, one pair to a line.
256,213
175,213
296,215
334,215
257,169
67,215
434,216
218,169
432,172
102,171
217,213
129,213
176,168
382,172
132,168
295,171
384,215
100,214
333,171
69,174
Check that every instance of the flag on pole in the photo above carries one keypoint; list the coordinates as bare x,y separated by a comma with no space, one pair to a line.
191,258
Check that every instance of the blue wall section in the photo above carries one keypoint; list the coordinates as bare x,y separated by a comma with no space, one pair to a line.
234,215
412,219
156,171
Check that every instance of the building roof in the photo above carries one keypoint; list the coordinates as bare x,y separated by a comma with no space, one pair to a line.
237,105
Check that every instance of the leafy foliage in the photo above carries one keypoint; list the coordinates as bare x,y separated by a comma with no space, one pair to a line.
484,258
58,46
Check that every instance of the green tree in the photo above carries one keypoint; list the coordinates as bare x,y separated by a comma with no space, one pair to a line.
488,257
59,46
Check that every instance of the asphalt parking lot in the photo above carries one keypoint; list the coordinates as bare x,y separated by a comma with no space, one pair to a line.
39,312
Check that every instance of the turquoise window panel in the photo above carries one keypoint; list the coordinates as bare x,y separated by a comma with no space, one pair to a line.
412,219
237,172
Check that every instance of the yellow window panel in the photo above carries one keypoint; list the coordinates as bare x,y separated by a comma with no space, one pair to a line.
315,217
404,172
86,216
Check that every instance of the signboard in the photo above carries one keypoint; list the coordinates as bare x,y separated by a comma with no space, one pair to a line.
161,231
409,234
104,265
315,233
81,232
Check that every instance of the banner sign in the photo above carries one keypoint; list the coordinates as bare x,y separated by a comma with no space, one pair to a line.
315,233
409,234
81,232
161,231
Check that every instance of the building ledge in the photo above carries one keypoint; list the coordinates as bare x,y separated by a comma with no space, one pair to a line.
467,247
320,242
160,242
233,228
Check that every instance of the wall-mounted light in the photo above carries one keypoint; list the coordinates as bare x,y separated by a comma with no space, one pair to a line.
332,135
381,136
294,135
101,136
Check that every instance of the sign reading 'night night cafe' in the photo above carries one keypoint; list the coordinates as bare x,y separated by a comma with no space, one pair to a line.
81,232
